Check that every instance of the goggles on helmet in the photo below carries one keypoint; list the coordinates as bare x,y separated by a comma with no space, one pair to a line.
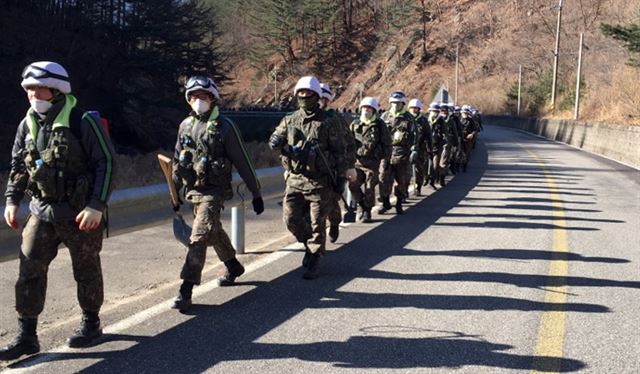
40,73
199,81
397,95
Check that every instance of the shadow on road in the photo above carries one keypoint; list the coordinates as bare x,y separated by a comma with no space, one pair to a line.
232,331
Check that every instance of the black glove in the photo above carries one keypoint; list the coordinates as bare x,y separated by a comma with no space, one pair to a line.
258,205
341,183
276,141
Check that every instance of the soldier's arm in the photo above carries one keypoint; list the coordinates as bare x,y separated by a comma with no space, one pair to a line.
97,144
350,142
18,176
278,139
237,153
176,156
428,137
385,139
337,146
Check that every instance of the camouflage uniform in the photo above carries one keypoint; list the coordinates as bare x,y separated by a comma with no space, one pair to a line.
77,172
424,147
335,213
309,190
469,131
444,138
401,129
207,148
373,143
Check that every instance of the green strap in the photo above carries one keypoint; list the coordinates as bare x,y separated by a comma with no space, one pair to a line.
107,153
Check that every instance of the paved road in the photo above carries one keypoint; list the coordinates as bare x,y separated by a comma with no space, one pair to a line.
528,262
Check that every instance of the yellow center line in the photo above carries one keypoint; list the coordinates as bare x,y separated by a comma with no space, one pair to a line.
551,332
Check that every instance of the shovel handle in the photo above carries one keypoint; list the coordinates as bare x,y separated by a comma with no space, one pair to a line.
167,170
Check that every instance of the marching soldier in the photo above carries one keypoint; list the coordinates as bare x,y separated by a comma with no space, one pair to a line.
401,127
373,145
313,152
335,213
207,147
470,130
63,159
424,144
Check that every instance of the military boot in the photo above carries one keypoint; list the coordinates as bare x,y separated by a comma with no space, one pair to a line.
386,205
313,267
26,343
432,183
307,256
399,209
183,301
366,216
418,190
88,332
234,270
442,182
334,231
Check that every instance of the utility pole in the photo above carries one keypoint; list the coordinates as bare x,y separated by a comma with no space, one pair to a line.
556,55
519,88
455,94
576,111
275,86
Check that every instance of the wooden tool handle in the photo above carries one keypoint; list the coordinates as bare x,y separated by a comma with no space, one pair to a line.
166,166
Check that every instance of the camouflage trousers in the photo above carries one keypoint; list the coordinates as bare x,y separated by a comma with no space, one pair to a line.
305,214
363,188
467,148
398,172
420,170
335,213
207,230
40,242
439,162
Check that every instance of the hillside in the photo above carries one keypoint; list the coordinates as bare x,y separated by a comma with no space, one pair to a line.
494,38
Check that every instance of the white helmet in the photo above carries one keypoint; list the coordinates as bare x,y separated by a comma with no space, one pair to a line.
326,91
466,107
434,107
46,74
415,103
371,102
201,83
398,97
308,83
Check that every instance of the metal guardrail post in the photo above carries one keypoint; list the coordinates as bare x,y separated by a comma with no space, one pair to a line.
237,228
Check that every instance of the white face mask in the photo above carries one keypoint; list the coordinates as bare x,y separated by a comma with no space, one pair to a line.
40,106
366,115
200,106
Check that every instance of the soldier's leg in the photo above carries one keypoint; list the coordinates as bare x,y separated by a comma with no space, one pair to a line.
219,239
401,176
295,210
84,248
319,208
197,251
39,247
334,215
356,186
371,181
420,175
386,184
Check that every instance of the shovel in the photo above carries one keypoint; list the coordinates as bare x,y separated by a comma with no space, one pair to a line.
181,230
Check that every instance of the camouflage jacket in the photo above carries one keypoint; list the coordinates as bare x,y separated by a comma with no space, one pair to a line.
314,149
401,129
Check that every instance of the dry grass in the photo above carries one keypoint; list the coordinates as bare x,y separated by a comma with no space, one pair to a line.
143,170
616,102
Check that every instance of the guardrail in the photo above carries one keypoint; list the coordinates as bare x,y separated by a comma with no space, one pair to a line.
132,208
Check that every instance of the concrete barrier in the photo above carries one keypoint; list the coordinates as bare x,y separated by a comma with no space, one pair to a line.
131,208
617,142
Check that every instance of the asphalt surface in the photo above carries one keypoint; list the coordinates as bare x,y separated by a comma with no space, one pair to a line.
529,261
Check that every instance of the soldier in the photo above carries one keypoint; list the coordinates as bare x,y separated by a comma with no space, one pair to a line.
207,147
456,151
63,159
470,129
446,127
373,144
335,214
424,144
401,128
433,168
313,152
